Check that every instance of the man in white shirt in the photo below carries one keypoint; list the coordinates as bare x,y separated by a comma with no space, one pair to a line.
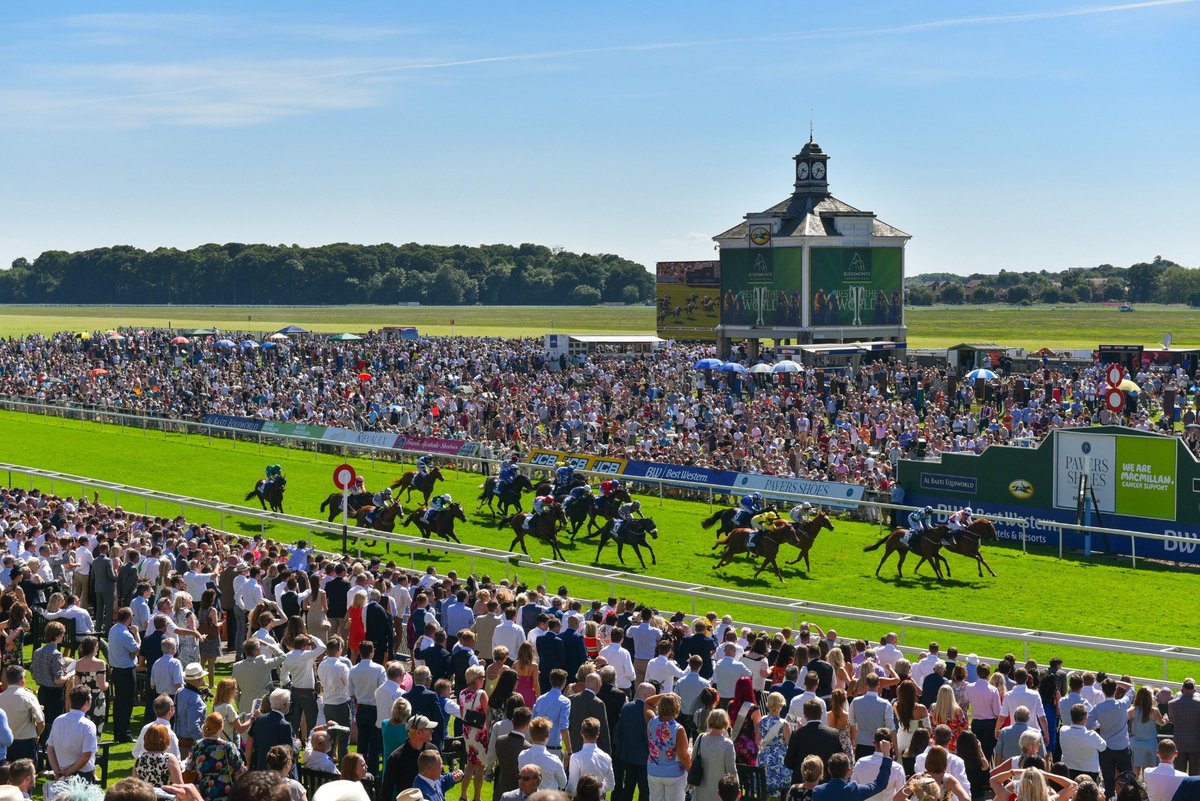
590,759
71,747
316,755
82,618
867,768
796,707
509,633
617,656
164,710
389,691
334,672
662,668
954,764
297,669
1080,745
1162,781
196,581
1020,695
553,775
83,568
888,653
727,670
924,666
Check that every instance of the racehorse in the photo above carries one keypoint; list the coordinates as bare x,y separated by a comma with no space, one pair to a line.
272,495
925,544
607,506
578,510
443,522
967,544
807,535
544,528
384,521
424,484
509,496
353,502
726,518
766,546
633,533
547,487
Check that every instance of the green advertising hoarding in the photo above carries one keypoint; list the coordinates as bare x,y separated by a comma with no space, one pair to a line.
762,286
1145,484
856,286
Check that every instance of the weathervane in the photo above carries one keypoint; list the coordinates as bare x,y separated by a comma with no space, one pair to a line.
810,126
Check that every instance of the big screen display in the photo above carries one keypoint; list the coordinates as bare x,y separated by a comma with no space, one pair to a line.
689,294
856,286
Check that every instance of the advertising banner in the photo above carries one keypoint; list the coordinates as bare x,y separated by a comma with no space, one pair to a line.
1129,475
689,295
835,494
276,427
434,445
856,286
675,472
580,461
762,287
378,439
229,421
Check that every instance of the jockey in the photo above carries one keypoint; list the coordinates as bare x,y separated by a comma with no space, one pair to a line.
359,485
624,515
758,523
748,507
563,476
424,464
918,520
610,486
577,493
380,501
439,503
959,521
541,503
508,474
274,471
801,513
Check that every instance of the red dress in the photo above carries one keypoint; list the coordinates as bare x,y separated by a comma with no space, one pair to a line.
358,632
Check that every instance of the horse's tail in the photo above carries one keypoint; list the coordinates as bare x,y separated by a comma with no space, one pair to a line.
504,521
483,495
251,494
325,503
712,519
882,540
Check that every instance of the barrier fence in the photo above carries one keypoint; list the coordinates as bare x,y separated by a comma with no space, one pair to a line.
512,563
1160,546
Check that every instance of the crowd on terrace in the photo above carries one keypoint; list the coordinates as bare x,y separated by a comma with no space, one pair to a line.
357,679
851,425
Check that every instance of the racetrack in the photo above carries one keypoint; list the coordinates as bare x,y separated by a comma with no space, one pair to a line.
1034,590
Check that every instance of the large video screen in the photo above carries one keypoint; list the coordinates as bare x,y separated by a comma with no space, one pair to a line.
762,286
689,294
856,286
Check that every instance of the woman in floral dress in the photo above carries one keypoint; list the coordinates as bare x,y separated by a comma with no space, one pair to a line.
185,618
473,702
217,762
774,733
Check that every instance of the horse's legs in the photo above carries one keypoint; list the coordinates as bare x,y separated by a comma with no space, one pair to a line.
946,564
775,564
807,566
920,562
653,558
600,547
886,553
900,564
983,562
620,548
637,551
521,539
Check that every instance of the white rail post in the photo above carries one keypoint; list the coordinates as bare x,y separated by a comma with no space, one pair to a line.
1060,542
1133,551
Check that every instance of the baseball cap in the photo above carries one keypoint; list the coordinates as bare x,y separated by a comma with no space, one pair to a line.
421,722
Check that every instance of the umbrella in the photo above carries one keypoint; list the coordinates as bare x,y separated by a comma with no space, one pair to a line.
277,336
345,338
786,367
98,371
267,345
465,389
225,343
731,367
115,336
292,329
1127,385
364,376
979,373
708,364
181,341
760,368
249,344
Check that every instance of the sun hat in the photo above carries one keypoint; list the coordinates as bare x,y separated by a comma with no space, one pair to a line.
193,672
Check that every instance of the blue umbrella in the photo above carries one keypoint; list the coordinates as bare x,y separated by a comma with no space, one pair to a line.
225,343
979,373
708,364
266,345
249,344
731,367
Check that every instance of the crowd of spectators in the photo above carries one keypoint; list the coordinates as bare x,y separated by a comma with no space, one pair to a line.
395,685
850,425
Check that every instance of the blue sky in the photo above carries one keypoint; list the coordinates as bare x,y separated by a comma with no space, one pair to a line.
1012,135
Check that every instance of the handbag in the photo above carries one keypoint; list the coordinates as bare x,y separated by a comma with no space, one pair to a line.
474,718
695,773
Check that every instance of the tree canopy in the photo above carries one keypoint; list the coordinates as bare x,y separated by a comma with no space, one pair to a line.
331,274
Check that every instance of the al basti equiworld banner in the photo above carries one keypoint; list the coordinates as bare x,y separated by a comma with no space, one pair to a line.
763,286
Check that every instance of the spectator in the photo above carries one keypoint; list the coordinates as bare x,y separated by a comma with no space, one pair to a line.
1163,780
868,713
716,753
1184,712
279,760
813,738
669,755
947,712
775,733
529,779
270,730
1081,747
1111,719
216,761
589,760
72,745
554,776
24,714
403,764
156,765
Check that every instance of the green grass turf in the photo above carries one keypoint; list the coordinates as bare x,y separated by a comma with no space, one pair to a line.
1033,327
1034,590
509,321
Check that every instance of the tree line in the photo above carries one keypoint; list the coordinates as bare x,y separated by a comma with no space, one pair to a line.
341,273
1157,281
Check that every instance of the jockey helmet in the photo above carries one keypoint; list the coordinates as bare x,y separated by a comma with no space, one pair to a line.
756,496
806,506
585,487
969,510
512,457
636,506
387,492
446,497
928,510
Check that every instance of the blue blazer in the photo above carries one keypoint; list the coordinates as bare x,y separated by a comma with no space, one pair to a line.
842,790
629,740
574,651
424,701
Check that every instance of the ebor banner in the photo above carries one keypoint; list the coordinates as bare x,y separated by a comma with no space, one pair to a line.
1130,475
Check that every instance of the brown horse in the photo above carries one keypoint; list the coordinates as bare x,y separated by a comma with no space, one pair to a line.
443,522
807,535
423,484
967,543
925,544
767,546
353,503
544,528
384,521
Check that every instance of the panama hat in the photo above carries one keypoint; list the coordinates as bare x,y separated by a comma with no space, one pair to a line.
193,672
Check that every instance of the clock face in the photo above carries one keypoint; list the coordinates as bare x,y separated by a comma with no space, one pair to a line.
802,170
818,171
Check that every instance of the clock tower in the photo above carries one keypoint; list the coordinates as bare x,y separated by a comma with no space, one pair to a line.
812,170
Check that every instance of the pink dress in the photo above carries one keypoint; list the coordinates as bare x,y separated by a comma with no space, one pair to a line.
525,689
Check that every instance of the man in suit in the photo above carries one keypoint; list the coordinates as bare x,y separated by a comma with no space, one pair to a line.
868,713
530,779
1008,744
508,751
430,780
253,672
269,730
822,669
150,652
839,789
789,687
378,627
336,590
612,698
814,737
630,748
127,579
424,701
550,652
574,651
104,584
700,644
932,683
437,658
586,705
1184,712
